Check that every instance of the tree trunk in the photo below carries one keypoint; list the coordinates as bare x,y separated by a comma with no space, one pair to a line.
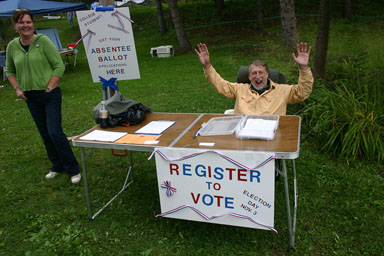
288,23
320,59
347,8
219,5
160,17
260,24
179,26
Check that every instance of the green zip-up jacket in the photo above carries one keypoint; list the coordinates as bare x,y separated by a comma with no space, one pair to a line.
34,69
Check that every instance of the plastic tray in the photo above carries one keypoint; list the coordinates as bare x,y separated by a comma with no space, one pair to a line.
220,126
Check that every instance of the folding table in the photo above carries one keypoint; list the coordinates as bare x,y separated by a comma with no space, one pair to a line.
285,145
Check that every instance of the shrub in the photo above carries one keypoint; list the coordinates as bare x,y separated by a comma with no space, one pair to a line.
347,118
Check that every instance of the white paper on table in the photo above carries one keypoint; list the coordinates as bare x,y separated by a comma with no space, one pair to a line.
268,135
155,127
259,128
260,125
103,135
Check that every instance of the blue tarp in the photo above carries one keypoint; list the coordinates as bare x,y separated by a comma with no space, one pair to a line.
38,7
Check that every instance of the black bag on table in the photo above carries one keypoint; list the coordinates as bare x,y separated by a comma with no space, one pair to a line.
122,111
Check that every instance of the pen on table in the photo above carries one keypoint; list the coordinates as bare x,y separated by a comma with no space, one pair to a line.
197,133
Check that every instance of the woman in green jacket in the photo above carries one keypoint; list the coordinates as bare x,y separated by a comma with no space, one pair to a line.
34,68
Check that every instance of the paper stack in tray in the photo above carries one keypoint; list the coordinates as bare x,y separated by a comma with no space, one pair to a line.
257,127
261,127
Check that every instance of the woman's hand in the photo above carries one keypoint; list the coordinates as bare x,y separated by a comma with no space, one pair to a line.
52,84
49,89
20,94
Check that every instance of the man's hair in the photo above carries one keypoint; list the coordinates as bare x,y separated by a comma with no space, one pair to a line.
20,13
258,63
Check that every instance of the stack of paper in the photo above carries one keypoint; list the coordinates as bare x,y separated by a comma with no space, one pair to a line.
103,136
258,129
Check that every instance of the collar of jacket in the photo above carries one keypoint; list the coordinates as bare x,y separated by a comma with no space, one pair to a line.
261,91
34,43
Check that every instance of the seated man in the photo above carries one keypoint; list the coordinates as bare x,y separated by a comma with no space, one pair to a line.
262,96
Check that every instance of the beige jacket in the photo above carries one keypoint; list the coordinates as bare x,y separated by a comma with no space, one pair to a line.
271,102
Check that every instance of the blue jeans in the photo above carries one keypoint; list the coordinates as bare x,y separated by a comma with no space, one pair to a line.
45,108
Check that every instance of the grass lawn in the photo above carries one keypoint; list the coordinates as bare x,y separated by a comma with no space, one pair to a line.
340,205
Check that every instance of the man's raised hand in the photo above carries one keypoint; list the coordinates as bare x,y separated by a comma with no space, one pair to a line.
303,52
202,50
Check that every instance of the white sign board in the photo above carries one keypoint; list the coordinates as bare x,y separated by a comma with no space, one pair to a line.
109,44
222,187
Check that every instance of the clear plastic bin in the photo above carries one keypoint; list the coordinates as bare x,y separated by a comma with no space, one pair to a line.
261,127
220,126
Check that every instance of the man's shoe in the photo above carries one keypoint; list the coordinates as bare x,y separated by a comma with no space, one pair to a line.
76,178
51,175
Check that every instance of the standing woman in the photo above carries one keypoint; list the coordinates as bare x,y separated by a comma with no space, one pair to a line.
34,68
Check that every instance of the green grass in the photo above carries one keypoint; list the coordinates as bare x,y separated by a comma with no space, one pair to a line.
340,206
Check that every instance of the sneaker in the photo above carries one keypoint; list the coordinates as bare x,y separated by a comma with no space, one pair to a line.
76,178
51,175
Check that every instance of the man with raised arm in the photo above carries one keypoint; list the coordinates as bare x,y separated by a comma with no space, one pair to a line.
262,96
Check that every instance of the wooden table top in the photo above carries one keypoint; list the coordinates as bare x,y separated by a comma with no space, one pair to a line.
285,144
183,120
286,138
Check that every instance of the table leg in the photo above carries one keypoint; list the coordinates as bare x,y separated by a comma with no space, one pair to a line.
74,61
127,182
295,199
291,222
85,178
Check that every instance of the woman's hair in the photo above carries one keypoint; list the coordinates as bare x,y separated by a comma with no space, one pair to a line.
20,13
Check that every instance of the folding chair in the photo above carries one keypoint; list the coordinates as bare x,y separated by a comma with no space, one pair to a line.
2,64
277,77
65,52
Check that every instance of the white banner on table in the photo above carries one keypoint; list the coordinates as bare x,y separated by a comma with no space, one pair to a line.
109,44
223,187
